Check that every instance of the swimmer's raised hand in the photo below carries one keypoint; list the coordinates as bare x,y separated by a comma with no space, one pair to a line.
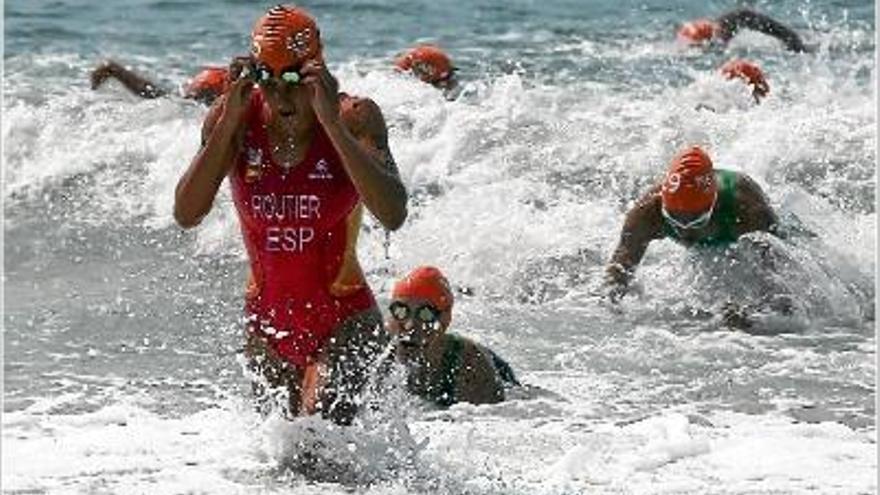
325,91
242,66
237,98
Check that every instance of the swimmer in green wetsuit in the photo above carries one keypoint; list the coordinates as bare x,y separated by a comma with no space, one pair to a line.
442,367
695,204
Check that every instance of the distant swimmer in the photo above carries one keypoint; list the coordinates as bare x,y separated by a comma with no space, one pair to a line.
749,73
430,64
205,86
724,28
695,205
303,161
442,367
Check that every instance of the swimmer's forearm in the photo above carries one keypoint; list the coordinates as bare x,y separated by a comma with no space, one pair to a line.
381,191
135,83
197,188
622,265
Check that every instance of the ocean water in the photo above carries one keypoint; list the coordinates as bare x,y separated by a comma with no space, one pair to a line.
122,372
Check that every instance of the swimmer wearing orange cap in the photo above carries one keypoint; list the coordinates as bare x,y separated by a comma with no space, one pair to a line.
443,367
750,73
694,204
303,162
207,84
724,28
430,64
747,72
204,87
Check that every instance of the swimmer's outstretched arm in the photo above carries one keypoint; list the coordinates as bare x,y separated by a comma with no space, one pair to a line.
642,225
135,83
222,135
734,20
357,130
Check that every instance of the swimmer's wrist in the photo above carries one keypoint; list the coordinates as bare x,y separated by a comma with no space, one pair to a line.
618,274
227,126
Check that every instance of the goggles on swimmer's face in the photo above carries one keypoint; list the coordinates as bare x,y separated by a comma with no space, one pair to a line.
689,222
425,314
265,77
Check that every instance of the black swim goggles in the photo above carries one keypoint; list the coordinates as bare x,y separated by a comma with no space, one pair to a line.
425,314
264,76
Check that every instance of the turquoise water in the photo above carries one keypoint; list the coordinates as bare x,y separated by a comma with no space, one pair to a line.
486,36
122,333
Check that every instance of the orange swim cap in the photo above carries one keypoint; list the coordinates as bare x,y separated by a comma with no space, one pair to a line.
428,62
209,79
689,185
697,31
284,37
425,282
748,72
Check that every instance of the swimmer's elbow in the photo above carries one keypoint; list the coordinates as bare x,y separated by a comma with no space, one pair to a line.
742,12
186,221
396,219
186,218
737,16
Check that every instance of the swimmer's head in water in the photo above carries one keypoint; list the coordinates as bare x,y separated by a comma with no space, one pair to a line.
420,309
689,189
748,72
697,31
426,282
427,62
285,38
208,84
